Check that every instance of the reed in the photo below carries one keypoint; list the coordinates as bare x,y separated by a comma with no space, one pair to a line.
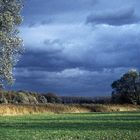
11,109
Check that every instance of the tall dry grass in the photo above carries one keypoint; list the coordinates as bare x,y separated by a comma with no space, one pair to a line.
11,109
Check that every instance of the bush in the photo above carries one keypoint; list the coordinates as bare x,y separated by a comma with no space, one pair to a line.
52,98
21,98
42,99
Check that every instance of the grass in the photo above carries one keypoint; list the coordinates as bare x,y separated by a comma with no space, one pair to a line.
79,126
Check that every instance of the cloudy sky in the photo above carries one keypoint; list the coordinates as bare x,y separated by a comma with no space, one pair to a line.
78,47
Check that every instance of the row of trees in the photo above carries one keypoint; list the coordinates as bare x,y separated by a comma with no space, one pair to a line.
26,97
85,100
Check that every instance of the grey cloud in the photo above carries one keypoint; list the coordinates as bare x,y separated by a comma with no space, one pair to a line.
55,45
44,71
88,65
110,50
42,60
34,22
92,83
115,18
55,61
50,7
42,12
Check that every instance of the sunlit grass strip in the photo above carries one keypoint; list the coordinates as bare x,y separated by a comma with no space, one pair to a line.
11,109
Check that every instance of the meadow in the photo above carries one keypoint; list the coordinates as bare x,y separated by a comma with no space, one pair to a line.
71,126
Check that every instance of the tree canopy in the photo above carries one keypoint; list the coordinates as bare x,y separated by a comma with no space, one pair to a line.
10,42
127,88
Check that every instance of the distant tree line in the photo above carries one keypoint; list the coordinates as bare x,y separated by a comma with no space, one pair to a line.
85,100
26,97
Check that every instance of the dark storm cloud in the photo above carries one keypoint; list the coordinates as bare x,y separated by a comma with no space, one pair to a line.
42,71
111,53
51,7
50,61
53,70
65,82
85,71
67,56
114,17
46,11
42,60
43,21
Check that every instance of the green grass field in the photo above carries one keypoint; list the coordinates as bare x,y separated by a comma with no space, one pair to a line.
86,126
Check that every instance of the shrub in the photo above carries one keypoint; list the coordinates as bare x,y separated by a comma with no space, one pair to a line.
42,99
52,98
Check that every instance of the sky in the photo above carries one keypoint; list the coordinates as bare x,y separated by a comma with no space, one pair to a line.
77,47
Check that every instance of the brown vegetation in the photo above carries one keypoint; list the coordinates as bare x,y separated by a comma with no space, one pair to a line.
10,109
23,102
